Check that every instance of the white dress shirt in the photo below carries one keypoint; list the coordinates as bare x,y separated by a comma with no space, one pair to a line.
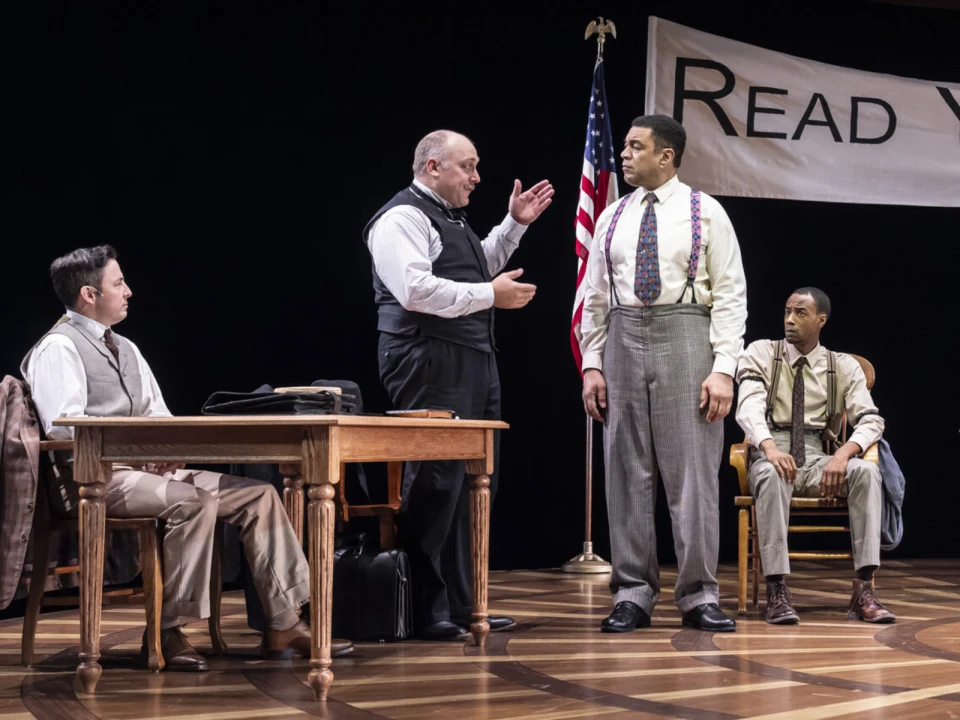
719,284
404,244
754,375
58,381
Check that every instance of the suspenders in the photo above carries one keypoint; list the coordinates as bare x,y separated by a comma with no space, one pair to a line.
834,400
696,233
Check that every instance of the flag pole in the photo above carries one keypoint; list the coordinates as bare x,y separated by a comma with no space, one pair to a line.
588,561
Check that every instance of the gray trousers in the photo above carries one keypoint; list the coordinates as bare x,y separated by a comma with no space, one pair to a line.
190,502
655,360
862,488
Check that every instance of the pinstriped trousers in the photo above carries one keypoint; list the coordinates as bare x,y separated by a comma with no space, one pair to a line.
655,360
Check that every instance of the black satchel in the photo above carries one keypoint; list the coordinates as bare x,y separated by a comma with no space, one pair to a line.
371,591
267,402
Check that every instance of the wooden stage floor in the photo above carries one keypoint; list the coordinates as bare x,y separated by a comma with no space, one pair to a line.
554,665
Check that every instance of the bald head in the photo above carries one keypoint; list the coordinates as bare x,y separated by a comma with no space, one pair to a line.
446,162
436,146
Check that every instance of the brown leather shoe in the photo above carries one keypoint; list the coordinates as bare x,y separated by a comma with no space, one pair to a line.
178,654
780,604
282,644
865,606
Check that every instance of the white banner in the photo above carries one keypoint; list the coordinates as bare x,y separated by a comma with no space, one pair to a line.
763,124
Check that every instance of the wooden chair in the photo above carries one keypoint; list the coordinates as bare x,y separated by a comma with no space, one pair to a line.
386,512
748,546
150,539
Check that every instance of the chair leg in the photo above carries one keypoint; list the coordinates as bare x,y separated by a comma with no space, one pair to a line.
388,533
743,536
38,581
756,560
216,592
152,575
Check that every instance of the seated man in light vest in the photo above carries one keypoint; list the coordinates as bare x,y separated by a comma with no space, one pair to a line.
82,368
792,396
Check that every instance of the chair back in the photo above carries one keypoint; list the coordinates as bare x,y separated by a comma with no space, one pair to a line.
871,375
867,368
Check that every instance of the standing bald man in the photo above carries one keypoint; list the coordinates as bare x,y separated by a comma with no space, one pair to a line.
436,285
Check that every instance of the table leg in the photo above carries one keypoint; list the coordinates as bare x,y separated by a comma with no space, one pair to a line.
90,475
479,474
321,465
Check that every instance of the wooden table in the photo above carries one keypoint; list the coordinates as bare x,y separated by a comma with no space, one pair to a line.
320,443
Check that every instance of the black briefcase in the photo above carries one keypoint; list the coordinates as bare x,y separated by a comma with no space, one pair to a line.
265,402
372,597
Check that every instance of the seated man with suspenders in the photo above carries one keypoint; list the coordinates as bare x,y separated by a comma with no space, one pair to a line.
792,396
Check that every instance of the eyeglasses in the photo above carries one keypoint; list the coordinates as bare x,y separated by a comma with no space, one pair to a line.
94,289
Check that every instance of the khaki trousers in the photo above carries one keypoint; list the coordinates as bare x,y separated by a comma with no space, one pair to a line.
190,502
862,488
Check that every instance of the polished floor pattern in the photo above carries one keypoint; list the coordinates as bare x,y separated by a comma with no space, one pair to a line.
554,665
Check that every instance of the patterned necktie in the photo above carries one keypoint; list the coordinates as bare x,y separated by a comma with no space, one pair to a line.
111,346
797,449
646,283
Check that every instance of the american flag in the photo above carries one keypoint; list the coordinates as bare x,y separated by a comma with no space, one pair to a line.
598,188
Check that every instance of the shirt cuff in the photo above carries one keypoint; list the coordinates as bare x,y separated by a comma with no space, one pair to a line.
861,439
512,230
759,435
485,296
592,361
726,365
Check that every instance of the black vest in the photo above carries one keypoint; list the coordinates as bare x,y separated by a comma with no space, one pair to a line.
461,260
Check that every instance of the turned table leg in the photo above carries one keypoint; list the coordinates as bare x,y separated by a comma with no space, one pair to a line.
91,475
321,467
479,473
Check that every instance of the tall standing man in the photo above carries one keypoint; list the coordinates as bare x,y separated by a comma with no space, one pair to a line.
436,285
663,321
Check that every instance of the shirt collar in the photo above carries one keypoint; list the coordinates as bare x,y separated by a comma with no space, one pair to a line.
664,191
90,325
792,354
427,191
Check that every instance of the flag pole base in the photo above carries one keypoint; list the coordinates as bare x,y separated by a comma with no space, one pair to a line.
586,562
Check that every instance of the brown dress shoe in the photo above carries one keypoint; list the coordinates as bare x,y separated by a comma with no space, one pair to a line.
282,644
780,604
865,606
178,654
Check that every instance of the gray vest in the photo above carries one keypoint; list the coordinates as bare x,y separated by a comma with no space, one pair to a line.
112,389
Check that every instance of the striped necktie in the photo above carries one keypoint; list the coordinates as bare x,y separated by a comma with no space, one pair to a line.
111,345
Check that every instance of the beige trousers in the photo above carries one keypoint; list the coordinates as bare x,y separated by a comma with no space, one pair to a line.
190,502
862,488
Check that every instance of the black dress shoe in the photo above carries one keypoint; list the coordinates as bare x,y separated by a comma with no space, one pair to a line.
709,617
626,617
496,622
443,630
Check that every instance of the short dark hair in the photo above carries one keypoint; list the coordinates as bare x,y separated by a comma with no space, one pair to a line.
77,269
666,133
820,299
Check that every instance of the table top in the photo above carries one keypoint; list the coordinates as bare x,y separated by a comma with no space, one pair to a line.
281,420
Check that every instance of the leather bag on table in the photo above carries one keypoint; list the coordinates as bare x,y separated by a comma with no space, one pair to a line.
267,402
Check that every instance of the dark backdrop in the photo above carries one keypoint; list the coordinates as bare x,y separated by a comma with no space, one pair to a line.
233,152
